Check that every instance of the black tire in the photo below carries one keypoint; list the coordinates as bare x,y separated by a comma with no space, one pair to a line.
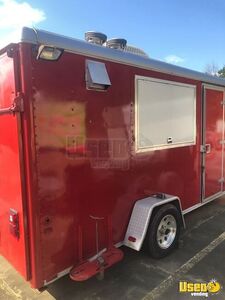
152,245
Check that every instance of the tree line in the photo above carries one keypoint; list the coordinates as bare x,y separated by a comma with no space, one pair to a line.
213,69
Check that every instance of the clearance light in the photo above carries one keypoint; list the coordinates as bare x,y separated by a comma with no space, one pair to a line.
49,53
132,239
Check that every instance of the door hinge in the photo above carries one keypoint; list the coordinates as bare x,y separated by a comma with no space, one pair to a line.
17,106
222,102
222,142
18,103
11,50
221,180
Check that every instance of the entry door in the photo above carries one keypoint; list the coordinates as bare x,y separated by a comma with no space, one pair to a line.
213,142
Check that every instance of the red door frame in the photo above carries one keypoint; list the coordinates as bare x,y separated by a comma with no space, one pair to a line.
212,146
18,255
20,119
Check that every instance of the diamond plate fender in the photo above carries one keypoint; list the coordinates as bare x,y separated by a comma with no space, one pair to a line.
141,216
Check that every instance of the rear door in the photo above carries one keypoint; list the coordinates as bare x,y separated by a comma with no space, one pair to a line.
13,235
213,142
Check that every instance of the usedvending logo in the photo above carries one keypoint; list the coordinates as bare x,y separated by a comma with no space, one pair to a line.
202,289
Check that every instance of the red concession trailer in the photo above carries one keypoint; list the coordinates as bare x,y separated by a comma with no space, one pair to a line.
99,148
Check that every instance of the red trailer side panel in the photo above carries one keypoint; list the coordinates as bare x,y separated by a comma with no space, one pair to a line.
85,160
11,209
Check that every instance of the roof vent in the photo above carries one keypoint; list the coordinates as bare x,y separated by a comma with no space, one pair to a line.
95,37
116,43
136,50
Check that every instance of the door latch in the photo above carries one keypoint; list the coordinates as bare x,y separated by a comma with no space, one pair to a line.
205,148
14,223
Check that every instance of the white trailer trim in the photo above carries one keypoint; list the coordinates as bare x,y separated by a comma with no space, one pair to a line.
206,201
213,87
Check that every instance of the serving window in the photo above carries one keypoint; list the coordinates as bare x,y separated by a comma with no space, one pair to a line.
165,114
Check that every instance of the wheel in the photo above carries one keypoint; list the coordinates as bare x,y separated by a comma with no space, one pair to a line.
164,231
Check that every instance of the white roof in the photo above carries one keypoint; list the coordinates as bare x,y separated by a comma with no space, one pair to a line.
35,36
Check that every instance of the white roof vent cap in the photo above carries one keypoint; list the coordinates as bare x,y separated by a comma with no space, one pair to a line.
116,43
95,37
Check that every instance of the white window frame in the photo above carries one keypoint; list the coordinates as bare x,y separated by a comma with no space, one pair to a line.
139,149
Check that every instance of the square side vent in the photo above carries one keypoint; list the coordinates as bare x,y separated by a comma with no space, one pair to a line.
96,76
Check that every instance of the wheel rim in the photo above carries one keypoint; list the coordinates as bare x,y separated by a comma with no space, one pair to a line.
166,231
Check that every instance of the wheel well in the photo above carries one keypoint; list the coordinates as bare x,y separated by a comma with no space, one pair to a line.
174,202
143,214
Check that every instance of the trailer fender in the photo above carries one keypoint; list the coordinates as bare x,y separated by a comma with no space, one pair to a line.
141,217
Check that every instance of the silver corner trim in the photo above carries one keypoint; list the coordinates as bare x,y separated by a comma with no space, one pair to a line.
29,35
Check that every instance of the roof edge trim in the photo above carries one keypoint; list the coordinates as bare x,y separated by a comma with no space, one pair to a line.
36,36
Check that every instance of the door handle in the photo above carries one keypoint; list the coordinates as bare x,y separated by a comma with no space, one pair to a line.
207,148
